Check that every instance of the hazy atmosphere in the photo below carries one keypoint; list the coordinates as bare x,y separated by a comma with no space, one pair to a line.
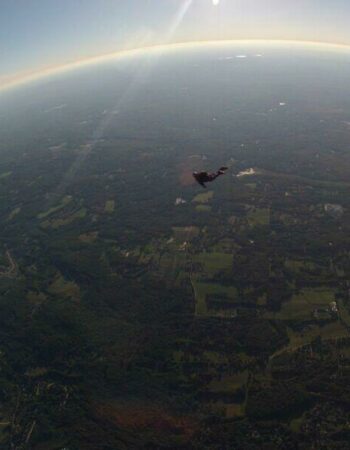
37,34
175,225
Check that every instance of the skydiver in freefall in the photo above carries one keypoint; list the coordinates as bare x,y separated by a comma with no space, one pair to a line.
205,177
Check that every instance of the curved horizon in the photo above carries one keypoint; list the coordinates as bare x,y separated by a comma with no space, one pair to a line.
27,78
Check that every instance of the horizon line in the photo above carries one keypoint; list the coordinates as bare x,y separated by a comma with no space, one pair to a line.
35,75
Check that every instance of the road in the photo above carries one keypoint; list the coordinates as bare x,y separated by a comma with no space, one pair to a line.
11,270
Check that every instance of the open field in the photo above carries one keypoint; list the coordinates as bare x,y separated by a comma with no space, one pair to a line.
62,287
5,175
229,383
109,206
64,202
205,197
185,233
14,213
303,304
88,238
66,220
258,216
202,290
213,262
334,330
299,265
203,208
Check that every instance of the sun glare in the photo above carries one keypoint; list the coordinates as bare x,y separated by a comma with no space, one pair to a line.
216,2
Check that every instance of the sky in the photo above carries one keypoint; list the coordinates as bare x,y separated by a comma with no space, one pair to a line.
39,34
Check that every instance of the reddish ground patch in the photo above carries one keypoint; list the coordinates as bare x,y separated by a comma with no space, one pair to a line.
188,166
147,418
186,178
